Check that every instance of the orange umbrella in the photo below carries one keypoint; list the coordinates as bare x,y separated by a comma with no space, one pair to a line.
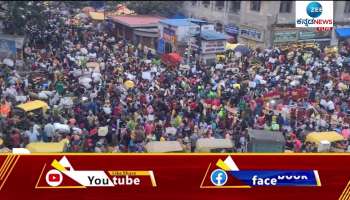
5,109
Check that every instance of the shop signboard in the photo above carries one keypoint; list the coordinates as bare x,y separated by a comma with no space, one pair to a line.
232,29
211,47
310,35
285,36
169,35
251,33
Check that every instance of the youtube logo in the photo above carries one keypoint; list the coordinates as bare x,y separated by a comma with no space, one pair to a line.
54,178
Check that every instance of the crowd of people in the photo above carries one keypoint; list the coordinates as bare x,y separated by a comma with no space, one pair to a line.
127,99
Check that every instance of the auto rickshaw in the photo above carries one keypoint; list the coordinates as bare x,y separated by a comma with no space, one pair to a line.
164,147
207,145
326,141
33,108
48,147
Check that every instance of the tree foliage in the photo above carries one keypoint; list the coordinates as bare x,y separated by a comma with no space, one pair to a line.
19,13
162,8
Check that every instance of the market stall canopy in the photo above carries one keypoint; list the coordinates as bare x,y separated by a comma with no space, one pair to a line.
163,147
97,16
50,147
264,135
210,35
207,144
317,137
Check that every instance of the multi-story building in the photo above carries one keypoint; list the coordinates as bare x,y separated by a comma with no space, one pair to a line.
264,23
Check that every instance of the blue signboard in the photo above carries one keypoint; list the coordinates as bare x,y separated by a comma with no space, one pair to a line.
161,46
231,29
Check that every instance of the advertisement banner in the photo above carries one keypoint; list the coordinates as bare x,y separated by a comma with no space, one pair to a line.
286,176
169,35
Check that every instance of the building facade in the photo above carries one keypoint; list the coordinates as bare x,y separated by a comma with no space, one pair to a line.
264,23
138,29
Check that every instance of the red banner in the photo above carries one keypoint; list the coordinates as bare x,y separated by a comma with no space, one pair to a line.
167,176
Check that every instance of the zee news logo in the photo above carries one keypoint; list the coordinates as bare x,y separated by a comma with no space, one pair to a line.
314,14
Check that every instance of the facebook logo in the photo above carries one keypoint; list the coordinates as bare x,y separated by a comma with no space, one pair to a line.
218,177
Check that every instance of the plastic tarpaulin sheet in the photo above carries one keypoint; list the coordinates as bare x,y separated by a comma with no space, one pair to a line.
343,32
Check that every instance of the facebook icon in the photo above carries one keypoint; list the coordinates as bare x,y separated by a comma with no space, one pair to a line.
218,177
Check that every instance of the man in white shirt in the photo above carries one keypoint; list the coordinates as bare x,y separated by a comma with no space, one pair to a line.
49,130
330,106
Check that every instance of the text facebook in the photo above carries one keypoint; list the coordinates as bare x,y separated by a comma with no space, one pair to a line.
274,180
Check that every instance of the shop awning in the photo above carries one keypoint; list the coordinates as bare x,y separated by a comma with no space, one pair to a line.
146,32
343,32
213,35
97,15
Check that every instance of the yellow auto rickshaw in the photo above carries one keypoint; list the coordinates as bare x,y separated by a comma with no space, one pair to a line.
34,109
207,145
48,147
33,105
325,140
164,147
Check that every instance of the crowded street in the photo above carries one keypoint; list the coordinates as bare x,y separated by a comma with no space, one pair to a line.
100,93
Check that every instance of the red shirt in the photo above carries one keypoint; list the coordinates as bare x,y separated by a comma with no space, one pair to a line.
15,139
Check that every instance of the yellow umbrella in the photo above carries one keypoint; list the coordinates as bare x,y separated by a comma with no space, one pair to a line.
237,86
230,46
129,84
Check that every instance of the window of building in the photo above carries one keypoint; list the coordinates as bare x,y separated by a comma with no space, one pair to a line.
206,3
286,6
193,3
255,6
235,6
347,7
219,27
220,4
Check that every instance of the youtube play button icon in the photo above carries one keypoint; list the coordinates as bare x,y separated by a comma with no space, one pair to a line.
54,178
